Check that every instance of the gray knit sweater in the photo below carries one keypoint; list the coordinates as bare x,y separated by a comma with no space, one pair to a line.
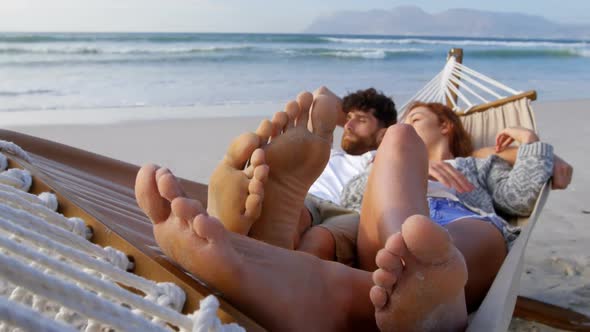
498,187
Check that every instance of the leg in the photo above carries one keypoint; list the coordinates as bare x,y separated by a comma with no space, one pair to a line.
484,250
319,242
283,290
396,189
305,221
421,262
333,236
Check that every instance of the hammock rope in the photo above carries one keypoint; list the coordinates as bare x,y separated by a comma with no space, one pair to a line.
52,275
470,88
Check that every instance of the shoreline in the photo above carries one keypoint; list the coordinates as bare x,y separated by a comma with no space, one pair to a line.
133,114
143,114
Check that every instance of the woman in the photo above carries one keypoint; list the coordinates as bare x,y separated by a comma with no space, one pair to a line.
470,217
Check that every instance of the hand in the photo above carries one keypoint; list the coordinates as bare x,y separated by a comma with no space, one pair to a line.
449,176
562,173
519,134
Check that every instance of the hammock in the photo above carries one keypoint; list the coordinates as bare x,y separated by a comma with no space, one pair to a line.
486,106
48,264
100,191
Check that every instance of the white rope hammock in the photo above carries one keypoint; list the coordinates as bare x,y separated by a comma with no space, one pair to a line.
53,279
470,87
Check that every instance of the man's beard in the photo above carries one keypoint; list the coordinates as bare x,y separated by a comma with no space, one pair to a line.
358,146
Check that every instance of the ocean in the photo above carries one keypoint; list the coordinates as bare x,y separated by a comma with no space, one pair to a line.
49,73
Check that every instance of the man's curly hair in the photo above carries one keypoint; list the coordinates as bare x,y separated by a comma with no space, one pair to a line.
374,102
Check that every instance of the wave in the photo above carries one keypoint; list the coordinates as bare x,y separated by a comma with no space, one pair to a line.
110,54
233,52
26,92
123,60
157,38
455,42
363,53
531,53
242,38
83,50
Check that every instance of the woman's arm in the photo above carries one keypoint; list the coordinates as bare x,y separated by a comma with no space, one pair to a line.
515,190
562,170
509,154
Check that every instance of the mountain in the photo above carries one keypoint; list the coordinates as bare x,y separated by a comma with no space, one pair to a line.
413,21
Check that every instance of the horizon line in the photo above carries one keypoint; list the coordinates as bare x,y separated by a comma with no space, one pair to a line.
298,33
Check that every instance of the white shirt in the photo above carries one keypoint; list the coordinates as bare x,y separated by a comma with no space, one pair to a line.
341,168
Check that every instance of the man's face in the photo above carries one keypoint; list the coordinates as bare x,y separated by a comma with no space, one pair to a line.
361,132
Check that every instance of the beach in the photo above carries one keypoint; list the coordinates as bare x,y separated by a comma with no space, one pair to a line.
178,100
557,263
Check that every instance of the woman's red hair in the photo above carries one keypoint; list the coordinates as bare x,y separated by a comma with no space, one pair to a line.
459,140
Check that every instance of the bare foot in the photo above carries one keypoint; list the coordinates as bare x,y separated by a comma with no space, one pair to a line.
235,194
160,196
281,289
296,157
420,281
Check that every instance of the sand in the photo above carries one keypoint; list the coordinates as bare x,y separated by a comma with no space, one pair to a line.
558,257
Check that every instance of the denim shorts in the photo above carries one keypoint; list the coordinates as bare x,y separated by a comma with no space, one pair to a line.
444,211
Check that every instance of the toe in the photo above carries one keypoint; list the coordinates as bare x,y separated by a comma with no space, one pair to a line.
168,186
209,228
384,279
264,131
253,206
394,247
186,209
256,187
378,296
427,241
261,173
257,158
304,100
323,117
279,121
390,258
241,149
156,207
292,110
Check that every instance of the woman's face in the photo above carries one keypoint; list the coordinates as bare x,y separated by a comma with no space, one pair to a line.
427,125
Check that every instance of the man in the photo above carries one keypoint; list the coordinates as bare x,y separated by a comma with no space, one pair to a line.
365,116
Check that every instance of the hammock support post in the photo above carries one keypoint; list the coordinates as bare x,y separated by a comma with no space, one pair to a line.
456,53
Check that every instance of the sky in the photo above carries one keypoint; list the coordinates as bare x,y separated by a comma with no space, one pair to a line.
237,16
